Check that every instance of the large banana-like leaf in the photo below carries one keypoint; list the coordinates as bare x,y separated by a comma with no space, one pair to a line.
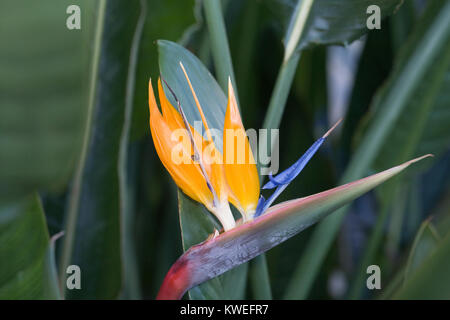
168,19
195,221
427,239
318,22
223,252
42,117
431,280
331,21
27,268
425,124
42,113
98,214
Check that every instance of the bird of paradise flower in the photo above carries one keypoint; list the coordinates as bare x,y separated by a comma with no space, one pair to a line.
207,178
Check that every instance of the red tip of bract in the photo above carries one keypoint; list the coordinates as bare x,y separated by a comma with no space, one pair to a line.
176,282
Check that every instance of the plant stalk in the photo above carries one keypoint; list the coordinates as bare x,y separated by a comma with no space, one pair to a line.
224,68
280,92
274,114
259,278
219,43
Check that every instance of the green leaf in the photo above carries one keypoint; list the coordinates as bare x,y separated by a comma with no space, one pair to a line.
331,22
424,243
27,270
223,252
196,223
42,115
98,223
373,70
219,43
173,20
431,280
211,97
409,135
317,22
168,19
436,132
425,124
427,239
393,98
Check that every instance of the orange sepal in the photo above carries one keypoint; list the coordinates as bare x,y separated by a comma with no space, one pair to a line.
187,174
240,167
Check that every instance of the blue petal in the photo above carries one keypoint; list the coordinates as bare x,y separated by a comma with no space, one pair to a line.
260,206
282,180
272,198
292,172
274,182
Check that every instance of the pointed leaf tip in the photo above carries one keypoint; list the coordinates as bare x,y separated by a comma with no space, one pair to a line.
287,176
429,155
332,128
279,223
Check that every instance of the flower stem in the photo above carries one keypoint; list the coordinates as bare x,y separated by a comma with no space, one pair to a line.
259,278
289,65
296,27
224,69
223,213
280,92
274,114
219,43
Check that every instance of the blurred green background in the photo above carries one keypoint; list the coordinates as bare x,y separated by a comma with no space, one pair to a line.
76,152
